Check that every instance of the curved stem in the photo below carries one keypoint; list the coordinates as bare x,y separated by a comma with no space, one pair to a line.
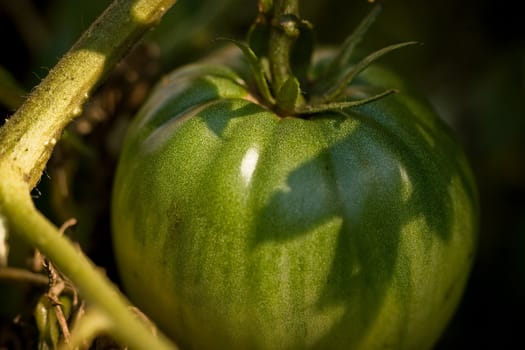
28,137
283,34
24,219
27,140
92,323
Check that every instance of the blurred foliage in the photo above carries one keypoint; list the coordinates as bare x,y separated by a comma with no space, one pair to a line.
11,94
471,66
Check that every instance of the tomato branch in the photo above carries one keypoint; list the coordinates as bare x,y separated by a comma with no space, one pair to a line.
27,140
28,137
284,31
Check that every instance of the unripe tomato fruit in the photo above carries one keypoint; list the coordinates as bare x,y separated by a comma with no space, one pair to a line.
237,228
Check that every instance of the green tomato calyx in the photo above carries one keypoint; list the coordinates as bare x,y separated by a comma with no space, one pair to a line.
278,50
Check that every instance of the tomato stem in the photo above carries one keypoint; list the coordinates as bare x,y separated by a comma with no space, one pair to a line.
27,140
284,31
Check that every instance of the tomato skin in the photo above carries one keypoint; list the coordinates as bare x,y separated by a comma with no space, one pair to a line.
235,228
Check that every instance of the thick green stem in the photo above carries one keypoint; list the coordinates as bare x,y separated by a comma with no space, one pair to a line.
283,34
23,218
28,137
27,140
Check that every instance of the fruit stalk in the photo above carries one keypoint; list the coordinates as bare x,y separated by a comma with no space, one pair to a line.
283,33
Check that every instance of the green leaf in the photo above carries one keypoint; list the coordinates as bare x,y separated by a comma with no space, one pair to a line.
332,73
344,55
339,106
289,96
257,70
351,72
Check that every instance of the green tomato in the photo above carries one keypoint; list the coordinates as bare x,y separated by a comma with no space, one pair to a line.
237,228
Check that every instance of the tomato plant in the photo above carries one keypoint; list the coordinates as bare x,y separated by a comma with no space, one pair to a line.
317,210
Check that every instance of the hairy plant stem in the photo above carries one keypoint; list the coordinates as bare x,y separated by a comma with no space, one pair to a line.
283,33
27,140
28,137
26,220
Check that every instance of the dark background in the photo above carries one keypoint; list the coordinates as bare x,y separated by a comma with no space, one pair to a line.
471,67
